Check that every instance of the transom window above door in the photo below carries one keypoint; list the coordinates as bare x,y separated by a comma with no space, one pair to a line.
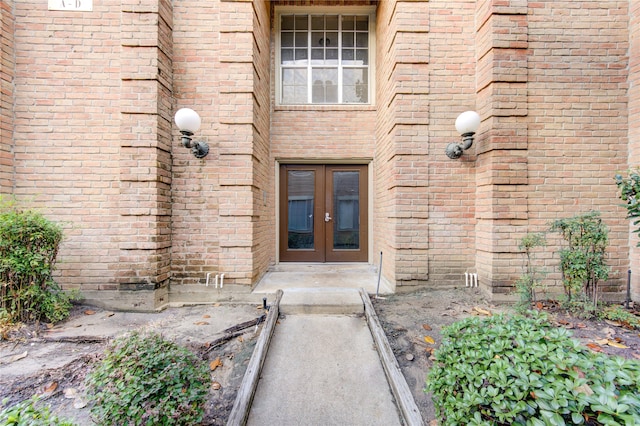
324,58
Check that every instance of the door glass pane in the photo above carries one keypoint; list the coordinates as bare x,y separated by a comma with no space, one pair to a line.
300,189
346,202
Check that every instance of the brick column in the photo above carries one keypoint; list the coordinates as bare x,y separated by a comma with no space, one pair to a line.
502,176
7,68
243,138
145,148
402,181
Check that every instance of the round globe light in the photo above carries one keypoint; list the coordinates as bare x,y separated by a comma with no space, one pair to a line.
187,120
467,122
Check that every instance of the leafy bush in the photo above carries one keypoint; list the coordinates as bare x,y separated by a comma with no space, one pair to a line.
28,247
520,370
26,413
531,279
583,262
146,380
629,192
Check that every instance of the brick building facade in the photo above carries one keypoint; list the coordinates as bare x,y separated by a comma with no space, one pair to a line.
90,88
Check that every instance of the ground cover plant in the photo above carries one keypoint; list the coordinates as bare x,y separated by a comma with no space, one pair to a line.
30,413
28,248
520,370
147,380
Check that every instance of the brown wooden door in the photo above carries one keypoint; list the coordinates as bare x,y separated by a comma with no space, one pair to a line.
323,213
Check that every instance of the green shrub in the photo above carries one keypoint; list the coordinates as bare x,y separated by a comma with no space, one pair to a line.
520,370
26,413
28,248
146,380
630,193
583,263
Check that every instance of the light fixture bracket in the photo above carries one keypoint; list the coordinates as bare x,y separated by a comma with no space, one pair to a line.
198,149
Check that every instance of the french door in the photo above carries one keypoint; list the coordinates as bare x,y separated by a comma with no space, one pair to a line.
323,213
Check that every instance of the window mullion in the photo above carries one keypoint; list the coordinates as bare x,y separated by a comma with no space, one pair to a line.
309,68
339,59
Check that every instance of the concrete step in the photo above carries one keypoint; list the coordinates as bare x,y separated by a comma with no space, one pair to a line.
321,301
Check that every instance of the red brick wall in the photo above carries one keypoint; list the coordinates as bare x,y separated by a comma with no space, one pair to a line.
501,175
634,126
67,132
577,117
452,183
86,119
424,201
7,67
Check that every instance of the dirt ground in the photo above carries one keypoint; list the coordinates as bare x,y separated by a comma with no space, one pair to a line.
53,361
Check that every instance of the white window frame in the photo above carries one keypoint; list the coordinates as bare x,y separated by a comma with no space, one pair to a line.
335,10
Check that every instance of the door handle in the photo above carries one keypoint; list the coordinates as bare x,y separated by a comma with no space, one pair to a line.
327,218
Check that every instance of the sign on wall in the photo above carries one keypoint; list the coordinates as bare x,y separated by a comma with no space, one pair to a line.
77,5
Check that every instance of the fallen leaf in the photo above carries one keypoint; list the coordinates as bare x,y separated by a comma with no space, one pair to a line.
426,327
539,305
602,341
15,358
89,312
79,403
585,389
70,393
50,387
581,325
206,316
201,323
216,386
240,339
563,322
636,356
482,311
215,364
617,345
49,326
216,305
594,347
614,323
429,340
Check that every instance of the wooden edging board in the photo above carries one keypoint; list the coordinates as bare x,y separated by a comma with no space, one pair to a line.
406,404
242,404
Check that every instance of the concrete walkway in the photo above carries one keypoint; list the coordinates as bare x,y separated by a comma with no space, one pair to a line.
323,365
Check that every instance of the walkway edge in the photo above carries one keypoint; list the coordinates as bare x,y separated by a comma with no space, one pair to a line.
406,404
242,404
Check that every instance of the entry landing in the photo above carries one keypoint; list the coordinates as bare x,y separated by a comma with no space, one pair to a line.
322,275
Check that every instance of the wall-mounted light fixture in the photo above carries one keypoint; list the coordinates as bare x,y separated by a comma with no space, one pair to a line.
466,124
188,122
